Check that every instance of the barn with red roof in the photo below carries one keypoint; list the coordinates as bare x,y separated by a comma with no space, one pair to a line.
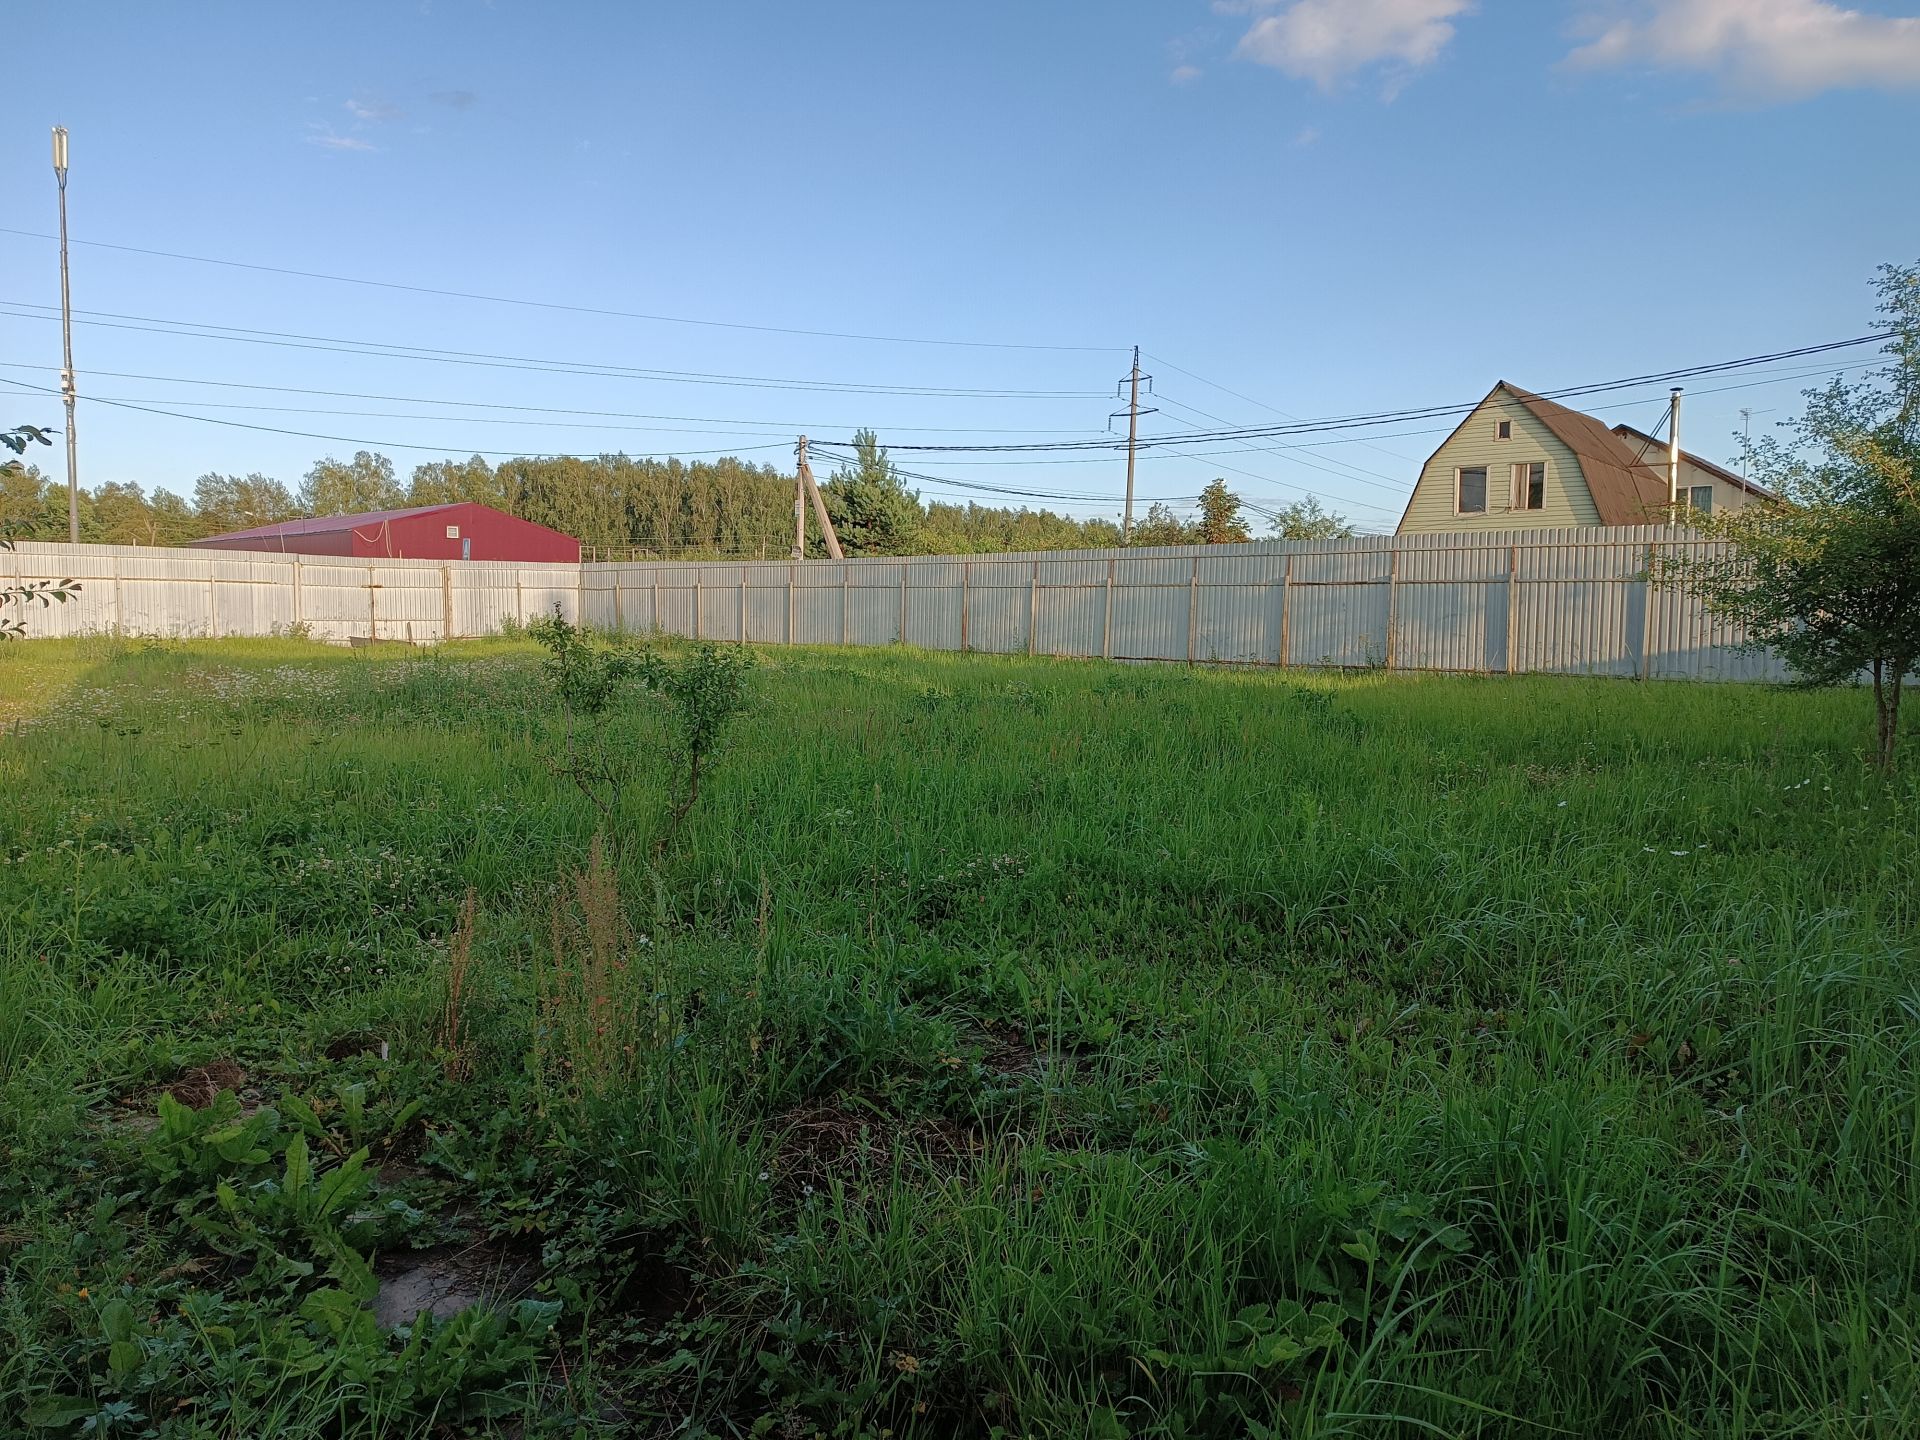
462,530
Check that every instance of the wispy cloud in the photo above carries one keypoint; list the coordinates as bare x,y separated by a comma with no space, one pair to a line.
1308,136
1763,49
1185,74
455,99
373,111
1327,41
327,138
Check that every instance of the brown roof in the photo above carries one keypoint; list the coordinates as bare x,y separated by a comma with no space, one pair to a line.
1625,490
1639,438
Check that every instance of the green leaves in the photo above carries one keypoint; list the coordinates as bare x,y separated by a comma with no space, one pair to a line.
195,1146
1831,577
57,1412
585,672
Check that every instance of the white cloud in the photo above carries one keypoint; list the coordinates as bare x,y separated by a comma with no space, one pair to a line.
1764,49
373,110
325,137
1327,40
1308,136
1184,74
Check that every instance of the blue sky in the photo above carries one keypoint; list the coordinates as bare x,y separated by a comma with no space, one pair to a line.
1327,206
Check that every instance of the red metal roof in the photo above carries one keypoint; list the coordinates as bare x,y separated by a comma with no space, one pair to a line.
329,524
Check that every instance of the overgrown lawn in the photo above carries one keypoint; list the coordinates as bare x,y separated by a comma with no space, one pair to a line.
1002,1046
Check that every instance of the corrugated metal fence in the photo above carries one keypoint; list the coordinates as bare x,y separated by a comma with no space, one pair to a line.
1565,601
134,590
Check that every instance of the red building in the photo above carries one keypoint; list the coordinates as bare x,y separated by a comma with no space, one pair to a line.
461,531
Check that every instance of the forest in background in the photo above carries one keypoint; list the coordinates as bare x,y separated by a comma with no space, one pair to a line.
615,502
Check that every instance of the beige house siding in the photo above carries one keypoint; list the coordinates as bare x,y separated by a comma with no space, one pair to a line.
1727,496
1475,443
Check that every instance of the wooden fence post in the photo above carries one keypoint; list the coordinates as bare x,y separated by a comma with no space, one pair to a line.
446,602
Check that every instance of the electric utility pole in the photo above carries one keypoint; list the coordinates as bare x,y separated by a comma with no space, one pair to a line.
834,552
66,337
1133,412
799,500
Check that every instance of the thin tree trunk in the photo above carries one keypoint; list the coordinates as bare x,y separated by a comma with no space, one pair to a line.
1883,745
1890,718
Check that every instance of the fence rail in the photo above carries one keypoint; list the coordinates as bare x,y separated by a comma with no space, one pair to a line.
1564,601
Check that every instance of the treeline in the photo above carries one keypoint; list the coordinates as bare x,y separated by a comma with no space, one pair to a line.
670,507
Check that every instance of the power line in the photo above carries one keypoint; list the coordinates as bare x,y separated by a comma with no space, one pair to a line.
786,425
360,440
1107,452
1340,475
1082,497
293,340
1283,414
1425,412
571,309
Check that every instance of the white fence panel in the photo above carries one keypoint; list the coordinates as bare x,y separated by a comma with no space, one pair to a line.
1561,601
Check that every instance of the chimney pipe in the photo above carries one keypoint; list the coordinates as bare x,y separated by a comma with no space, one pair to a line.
1673,449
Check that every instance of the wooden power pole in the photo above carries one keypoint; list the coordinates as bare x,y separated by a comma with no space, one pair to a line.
834,552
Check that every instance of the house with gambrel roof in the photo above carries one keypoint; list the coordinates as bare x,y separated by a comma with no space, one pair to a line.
1520,461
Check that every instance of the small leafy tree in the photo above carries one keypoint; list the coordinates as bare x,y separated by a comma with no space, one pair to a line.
1308,520
704,690
26,593
1830,575
1220,522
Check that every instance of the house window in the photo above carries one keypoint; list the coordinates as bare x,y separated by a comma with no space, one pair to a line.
1470,490
1530,485
1698,497
1503,430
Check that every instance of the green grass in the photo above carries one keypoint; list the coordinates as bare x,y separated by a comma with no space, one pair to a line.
1005,1046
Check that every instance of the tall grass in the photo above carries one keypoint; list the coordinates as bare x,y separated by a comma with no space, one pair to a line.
1047,1047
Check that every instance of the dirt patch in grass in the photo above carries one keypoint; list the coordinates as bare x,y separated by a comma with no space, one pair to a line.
827,1139
1009,1052
198,1086
448,1279
346,1047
